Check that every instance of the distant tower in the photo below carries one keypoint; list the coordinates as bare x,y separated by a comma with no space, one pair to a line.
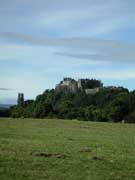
20,100
80,84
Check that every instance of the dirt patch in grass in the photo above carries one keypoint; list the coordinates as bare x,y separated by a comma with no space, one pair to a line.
49,155
97,158
70,139
86,149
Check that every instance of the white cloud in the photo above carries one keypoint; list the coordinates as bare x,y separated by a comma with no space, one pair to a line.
69,18
93,18
108,74
48,20
104,50
12,51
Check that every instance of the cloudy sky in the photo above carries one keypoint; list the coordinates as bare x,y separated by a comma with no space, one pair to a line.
42,41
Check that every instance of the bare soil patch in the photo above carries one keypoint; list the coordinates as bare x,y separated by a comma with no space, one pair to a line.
49,155
86,149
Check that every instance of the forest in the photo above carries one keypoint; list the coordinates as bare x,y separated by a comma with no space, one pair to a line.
110,104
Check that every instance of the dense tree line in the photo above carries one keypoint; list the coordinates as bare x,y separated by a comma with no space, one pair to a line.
4,112
91,83
108,105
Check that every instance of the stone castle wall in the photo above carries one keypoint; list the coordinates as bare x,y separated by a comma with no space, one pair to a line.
71,85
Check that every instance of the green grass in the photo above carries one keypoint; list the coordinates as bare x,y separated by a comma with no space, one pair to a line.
113,144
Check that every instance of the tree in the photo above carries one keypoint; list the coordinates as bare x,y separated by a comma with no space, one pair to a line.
109,104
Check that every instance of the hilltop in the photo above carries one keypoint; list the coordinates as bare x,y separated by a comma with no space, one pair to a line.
89,86
85,99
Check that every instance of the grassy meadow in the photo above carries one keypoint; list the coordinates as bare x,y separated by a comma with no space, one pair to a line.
91,150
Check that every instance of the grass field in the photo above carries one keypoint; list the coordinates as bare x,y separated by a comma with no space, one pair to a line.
93,151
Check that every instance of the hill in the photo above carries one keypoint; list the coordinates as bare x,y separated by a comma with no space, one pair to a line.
61,149
6,106
107,105
85,99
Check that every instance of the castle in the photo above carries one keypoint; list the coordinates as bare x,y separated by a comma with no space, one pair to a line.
90,86
20,100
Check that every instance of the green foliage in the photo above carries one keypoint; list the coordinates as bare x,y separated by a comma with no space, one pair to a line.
91,83
131,117
109,104
4,112
17,111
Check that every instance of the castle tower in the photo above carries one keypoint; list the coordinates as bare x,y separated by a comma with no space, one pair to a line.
20,100
79,84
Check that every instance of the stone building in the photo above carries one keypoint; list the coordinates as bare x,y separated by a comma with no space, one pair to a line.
71,85
92,91
68,84
20,100
79,84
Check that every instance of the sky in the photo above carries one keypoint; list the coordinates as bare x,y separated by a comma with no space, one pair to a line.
42,41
